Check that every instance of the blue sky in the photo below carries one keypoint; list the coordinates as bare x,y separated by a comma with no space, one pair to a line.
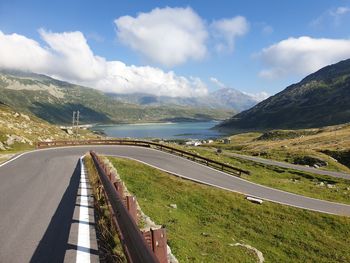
253,46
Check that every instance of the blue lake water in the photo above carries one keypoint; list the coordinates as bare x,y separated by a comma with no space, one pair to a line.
182,130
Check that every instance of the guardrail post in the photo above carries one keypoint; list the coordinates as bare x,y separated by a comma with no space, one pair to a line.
119,187
131,205
134,245
113,177
147,235
159,244
157,241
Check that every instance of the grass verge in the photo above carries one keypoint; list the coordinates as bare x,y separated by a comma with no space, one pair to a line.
110,248
208,222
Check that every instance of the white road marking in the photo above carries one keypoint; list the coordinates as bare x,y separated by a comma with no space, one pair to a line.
83,250
13,158
235,191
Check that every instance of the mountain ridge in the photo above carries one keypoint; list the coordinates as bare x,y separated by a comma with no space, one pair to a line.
320,99
54,101
223,98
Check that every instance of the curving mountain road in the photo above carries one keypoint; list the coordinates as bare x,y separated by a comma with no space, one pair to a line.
301,168
39,190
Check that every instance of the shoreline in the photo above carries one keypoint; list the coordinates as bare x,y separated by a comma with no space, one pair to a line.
148,123
161,130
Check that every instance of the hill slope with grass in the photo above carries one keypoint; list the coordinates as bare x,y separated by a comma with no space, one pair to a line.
320,99
54,101
214,225
326,147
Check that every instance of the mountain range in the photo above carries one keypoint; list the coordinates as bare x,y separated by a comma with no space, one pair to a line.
320,99
224,98
54,101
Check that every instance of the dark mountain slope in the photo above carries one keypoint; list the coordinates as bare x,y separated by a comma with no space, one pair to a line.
320,99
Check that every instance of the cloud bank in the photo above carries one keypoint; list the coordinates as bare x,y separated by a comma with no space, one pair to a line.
168,36
302,55
67,56
172,36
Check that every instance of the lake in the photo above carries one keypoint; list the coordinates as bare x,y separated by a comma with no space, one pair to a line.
181,130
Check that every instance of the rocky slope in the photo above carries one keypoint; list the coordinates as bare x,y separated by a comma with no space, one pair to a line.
20,131
320,99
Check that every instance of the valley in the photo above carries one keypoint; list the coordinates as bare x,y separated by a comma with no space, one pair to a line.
54,101
175,131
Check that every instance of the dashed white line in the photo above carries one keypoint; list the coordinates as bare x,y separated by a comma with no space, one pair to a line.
83,245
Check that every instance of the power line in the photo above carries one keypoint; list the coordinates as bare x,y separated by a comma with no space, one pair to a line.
75,123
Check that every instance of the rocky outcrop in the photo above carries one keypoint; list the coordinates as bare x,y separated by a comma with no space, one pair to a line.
11,139
2,147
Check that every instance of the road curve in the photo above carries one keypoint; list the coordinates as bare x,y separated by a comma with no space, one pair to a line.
289,165
34,193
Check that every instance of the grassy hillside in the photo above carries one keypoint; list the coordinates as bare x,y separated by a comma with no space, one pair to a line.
320,99
306,146
213,225
54,101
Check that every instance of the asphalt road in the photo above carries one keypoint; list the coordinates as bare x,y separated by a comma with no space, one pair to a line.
39,208
39,189
290,166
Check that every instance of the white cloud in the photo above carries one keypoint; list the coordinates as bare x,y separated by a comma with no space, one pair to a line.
302,55
17,51
168,36
72,57
68,56
132,79
217,82
332,17
226,30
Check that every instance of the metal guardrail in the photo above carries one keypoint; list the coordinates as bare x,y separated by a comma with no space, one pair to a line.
209,162
134,245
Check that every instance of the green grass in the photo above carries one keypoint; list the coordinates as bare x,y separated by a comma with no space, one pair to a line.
208,221
289,180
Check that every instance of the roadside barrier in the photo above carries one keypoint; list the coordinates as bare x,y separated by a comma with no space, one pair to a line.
148,247
165,148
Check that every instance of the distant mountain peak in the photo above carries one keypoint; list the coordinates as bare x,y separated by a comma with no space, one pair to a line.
223,98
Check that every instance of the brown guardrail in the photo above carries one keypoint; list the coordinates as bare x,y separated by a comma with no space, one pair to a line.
134,244
207,161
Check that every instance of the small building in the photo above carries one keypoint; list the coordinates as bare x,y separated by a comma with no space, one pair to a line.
193,143
197,143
